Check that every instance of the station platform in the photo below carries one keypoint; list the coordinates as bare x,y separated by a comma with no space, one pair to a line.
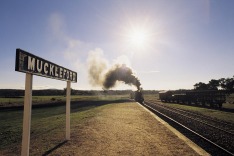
127,129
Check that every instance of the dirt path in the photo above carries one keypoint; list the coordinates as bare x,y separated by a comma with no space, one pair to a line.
123,129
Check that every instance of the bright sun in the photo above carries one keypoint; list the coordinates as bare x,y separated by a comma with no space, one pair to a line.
138,38
138,35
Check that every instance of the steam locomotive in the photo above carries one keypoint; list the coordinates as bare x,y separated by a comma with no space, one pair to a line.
215,98
137,96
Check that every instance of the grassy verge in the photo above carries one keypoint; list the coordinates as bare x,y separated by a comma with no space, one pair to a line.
47,125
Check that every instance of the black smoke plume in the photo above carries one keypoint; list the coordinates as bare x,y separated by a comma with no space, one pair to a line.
120,73
101,75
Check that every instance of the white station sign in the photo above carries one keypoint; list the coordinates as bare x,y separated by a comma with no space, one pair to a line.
34,65
29,63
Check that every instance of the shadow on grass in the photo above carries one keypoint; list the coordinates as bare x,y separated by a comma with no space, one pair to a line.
74,104
54,148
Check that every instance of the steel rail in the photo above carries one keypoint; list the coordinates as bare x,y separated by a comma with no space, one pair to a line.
171,109
199,135
192,113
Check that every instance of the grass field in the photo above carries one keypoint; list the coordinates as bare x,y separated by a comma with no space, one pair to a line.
19,101
48,123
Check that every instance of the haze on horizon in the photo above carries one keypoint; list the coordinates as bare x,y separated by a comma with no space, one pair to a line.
167,44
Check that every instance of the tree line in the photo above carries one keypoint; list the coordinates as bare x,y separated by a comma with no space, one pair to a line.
15,93
222,83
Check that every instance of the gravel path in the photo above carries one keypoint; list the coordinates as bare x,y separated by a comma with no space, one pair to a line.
123,129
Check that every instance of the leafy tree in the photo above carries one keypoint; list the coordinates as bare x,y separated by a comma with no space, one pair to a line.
227,84
213,84
224,83
201,86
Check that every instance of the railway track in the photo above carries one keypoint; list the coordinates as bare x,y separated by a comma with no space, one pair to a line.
209,121
204,131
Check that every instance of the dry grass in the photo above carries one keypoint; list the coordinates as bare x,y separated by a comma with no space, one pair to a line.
122,129
99,128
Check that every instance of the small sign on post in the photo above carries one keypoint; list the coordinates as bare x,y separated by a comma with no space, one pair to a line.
34,65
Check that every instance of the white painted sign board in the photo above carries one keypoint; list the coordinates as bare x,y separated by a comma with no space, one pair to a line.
34,65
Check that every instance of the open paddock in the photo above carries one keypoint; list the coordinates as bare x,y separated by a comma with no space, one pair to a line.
42,100
48,123
111,125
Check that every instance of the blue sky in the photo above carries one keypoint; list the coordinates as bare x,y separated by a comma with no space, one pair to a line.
188,41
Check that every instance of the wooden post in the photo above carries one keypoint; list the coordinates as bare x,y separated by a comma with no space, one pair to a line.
68,110
27,115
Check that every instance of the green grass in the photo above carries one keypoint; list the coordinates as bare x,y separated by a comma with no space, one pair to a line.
47,124
47,128
221,115
35,100
11,123
19,101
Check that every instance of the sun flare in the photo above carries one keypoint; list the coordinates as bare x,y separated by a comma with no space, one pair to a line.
138,37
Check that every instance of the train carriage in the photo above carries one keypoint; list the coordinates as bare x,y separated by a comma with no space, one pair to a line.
211,97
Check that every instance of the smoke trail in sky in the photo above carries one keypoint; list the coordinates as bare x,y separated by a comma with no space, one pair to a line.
97,65
120,73
100,75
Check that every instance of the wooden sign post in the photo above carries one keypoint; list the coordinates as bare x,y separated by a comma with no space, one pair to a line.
34,65
27,114
68,110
